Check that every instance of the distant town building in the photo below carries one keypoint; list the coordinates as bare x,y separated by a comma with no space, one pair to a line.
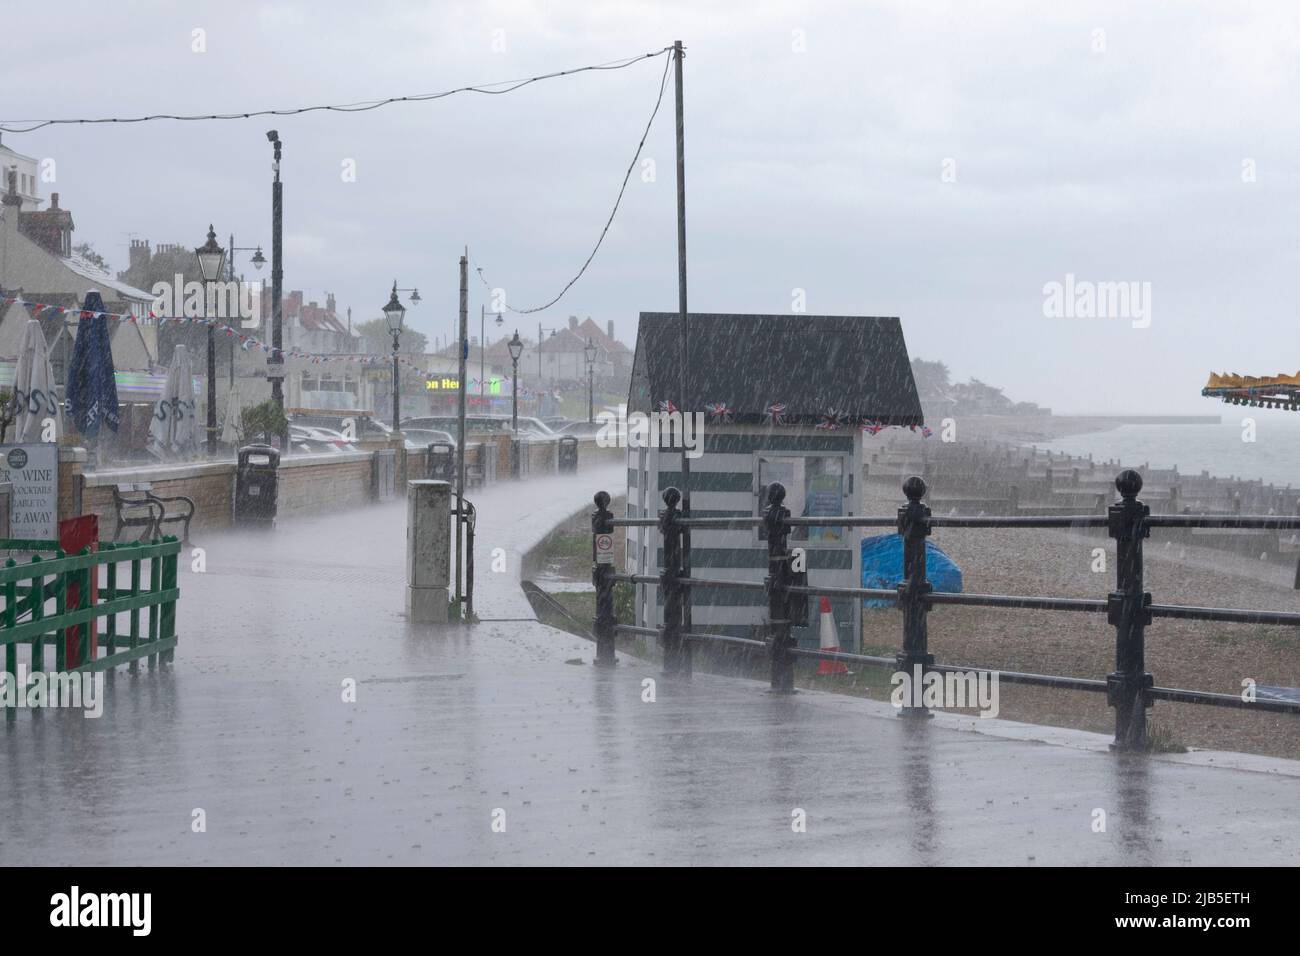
37,264
25,170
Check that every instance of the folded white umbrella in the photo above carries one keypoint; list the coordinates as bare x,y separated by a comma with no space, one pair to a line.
186,437
35,396
173,433
234,413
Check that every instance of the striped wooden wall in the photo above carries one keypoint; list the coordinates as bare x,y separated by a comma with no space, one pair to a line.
724,483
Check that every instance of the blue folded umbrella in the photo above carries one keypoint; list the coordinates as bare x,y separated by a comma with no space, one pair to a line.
91,394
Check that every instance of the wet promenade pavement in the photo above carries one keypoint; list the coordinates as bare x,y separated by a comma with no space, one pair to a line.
508,722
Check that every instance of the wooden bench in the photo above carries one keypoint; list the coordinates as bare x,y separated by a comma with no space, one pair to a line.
138,507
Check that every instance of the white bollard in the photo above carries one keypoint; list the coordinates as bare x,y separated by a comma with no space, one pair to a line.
428,551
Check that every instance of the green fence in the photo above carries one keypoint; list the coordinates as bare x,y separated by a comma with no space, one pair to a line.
139,579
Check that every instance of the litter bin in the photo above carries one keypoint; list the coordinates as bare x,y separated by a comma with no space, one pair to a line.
441,462
256,477
568,453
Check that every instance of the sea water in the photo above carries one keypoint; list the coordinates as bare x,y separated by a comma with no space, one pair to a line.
1271,450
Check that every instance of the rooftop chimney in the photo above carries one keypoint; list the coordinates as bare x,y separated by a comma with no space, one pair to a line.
573,322
609,328
11,197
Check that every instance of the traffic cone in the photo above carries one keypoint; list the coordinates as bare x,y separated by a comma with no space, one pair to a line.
830,640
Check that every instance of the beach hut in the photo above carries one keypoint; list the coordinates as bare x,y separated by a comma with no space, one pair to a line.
781,398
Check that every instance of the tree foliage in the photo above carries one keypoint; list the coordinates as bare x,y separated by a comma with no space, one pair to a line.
931,379
87,252
262,422
378,341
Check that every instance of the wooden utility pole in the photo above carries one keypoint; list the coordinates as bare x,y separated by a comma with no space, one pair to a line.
683,395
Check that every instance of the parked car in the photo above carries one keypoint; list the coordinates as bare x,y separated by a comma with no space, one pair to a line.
373,428
557,422
316,438
481,423
582,429
419,439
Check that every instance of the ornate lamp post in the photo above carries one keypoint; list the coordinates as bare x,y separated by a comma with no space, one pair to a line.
516,348
388,317
258,261
590,353
211,258
394,312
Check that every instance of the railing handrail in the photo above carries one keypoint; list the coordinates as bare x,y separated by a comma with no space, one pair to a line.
1259,522
26,588
1129,607
109,553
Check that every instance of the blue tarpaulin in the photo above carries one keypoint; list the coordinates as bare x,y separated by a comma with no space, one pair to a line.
882,567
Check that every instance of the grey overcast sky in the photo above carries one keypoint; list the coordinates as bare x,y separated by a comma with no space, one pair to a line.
1115,142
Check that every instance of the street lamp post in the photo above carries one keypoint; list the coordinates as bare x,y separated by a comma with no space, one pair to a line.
275,361
394,312
540,330
516,349
482,355
590,353
258,261
211,258
415,300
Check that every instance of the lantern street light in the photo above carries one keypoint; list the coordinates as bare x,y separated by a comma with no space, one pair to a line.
590,352
211,259
516,348
394,312
258,261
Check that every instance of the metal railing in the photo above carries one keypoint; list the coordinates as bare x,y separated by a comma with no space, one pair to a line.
146,582
1130,689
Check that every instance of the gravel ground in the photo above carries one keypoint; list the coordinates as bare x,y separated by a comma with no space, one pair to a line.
1192,654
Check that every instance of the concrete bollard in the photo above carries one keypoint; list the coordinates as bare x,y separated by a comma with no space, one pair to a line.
428,551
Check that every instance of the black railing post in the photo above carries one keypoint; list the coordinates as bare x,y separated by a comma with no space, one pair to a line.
602,576
670,584
777,583
1128,689
915,659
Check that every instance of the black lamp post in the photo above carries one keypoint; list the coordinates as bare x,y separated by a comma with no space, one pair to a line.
516,349
590,352
258,261
394,312
211,258
275,361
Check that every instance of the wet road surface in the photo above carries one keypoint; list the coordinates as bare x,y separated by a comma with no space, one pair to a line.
502,745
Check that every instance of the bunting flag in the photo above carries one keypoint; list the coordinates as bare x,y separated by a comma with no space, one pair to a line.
776,413
40,310
719,411
667,406
831,421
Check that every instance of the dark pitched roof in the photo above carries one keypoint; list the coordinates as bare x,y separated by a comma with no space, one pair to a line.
854,366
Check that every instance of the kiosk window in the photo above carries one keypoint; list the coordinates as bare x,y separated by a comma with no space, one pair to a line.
814,487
